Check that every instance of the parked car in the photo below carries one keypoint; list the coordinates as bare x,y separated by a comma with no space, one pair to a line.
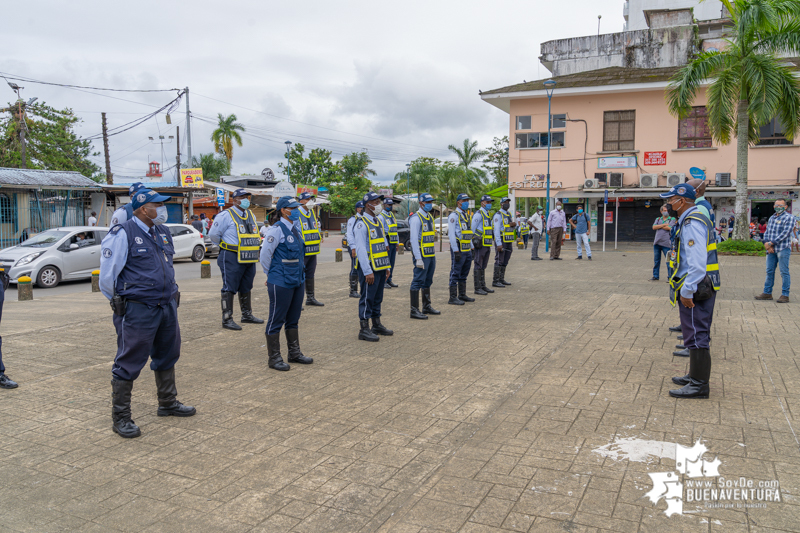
188,242
54,255
212,249
404,234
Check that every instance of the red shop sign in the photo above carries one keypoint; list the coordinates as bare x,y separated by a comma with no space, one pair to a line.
655,158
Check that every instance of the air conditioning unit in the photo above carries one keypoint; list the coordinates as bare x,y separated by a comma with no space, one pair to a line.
648,180
615,180
591,184
723,179
602,177
675,179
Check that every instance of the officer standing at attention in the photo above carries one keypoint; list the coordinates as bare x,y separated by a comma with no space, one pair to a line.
309,229
390,230
5,381
137,276
504,241
482,243
282,260
695,282
236,232
349,241
423,235
373,267
460,235
126,211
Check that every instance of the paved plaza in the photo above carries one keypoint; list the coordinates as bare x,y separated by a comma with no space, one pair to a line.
542,407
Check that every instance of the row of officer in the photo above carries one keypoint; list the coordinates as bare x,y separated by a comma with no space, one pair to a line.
312,239
389,223
504,237
423,236
482,244
349,244
460,235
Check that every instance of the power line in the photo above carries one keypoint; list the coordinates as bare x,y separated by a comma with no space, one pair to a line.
8,76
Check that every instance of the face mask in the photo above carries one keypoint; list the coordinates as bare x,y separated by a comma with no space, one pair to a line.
671,211
294,214
464,206
580,210
245,204
161,215
428,207
388,209
377,210
559,207
488,207
779,210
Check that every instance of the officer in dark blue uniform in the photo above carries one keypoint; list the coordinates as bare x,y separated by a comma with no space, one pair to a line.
126,211
282,255
694,284
236,232
309,229
389,223
373,268
504,234
137,275
5,381
482,244
423,234
459,232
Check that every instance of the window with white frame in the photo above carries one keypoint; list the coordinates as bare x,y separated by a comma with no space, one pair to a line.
539,140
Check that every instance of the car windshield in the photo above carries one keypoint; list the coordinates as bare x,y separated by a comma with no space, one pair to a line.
45,239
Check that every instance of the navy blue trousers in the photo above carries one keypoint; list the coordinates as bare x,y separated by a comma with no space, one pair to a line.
459,270
147,331
310,266
284,307
423,277
369,305
392,255
696,323
481,257
2,299
236,276
501,258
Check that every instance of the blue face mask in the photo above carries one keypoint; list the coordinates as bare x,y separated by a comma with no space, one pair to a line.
245,204
387,208
580,210
294,215
488,207
427,207
465,206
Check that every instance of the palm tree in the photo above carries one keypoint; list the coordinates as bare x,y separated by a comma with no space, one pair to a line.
468,155
213,166
227,131
750,84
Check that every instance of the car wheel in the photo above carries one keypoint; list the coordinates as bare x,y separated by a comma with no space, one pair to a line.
198,253
407,245
48,277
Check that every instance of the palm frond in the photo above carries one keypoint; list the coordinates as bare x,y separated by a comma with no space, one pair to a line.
723,96
683,87
788,111
784,40
762,78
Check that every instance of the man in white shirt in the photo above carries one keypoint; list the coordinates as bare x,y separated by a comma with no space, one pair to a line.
93,219
535,223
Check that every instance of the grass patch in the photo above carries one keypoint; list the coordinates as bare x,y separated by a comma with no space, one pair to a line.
732,247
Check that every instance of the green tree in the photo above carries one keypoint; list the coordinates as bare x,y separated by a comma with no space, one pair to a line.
750,83
50,140
496,162
213,166
469,155
225,135
350,182
316,169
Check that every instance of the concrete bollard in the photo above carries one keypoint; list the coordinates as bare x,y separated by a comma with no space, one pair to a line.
326,234
95,281
338,255
205,269
400,248
24,289
520,245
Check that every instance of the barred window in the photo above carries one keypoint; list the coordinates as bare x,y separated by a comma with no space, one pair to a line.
693,130
6,209
618,130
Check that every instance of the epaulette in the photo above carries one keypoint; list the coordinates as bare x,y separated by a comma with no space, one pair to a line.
115,229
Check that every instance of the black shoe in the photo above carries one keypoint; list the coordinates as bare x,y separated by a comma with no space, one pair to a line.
558,259
681,381
6,383
496,278
680,337
366,334
168,404
589,258
579,257
676,328
699,374
275,360
653,279
680,346
693,389
293,348
380,329
122,424
503,276
682,353
392,284
476,278
415,313
227,312
462,292
427,308
354,287
454,296
483,282
310,300
245,303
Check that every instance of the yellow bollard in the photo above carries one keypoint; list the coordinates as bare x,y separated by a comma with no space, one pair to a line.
95,281
205,269
338,255
24,289
520,245
326,234
400,248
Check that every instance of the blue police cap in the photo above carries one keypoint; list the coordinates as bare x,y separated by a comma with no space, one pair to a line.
305,195
240,192
424,198
146,196
286,202
684,190
360,204
505,199
135,187
462,196
388,201
370,196
486,198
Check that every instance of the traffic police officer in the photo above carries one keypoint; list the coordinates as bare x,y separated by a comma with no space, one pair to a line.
460,235
5,381
504,241
126,211
309,229
695,282
281,258
236,232
390,230
482,243
423,235
349,243
524,230
373,268
137,276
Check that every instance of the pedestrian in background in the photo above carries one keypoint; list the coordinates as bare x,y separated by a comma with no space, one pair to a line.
580,223
196,224
535,223
556,227
524,229
796,236
723,229
777,240
662,244
93,219
762,228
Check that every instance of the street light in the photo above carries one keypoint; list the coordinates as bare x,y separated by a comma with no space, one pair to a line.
288,170
408,189
549,86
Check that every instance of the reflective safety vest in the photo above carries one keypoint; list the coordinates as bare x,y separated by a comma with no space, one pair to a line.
488,232
378,253
427,236
391,223
248,247
712,264
508,231
310,231
524,229
466,232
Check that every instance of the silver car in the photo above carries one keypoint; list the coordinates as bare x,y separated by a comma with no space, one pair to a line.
54,255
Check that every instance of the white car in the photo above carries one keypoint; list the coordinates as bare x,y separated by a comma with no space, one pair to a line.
188,242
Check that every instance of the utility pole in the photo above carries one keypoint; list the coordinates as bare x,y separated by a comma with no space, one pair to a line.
178,158
23,126
188,149
109,175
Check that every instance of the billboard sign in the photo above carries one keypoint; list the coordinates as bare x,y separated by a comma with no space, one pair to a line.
616,162
192,177
655,158
220,197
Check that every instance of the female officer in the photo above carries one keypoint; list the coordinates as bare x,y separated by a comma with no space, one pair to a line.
282,260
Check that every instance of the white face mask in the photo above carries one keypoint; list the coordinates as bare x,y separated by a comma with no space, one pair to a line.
161,215
377,210
558,207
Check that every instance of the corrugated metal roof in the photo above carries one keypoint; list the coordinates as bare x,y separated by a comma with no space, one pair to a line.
25,177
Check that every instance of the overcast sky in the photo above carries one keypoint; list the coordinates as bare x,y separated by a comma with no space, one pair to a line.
399,79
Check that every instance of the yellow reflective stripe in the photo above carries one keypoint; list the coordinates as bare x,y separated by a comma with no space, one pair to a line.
712,267
240,248
711,247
